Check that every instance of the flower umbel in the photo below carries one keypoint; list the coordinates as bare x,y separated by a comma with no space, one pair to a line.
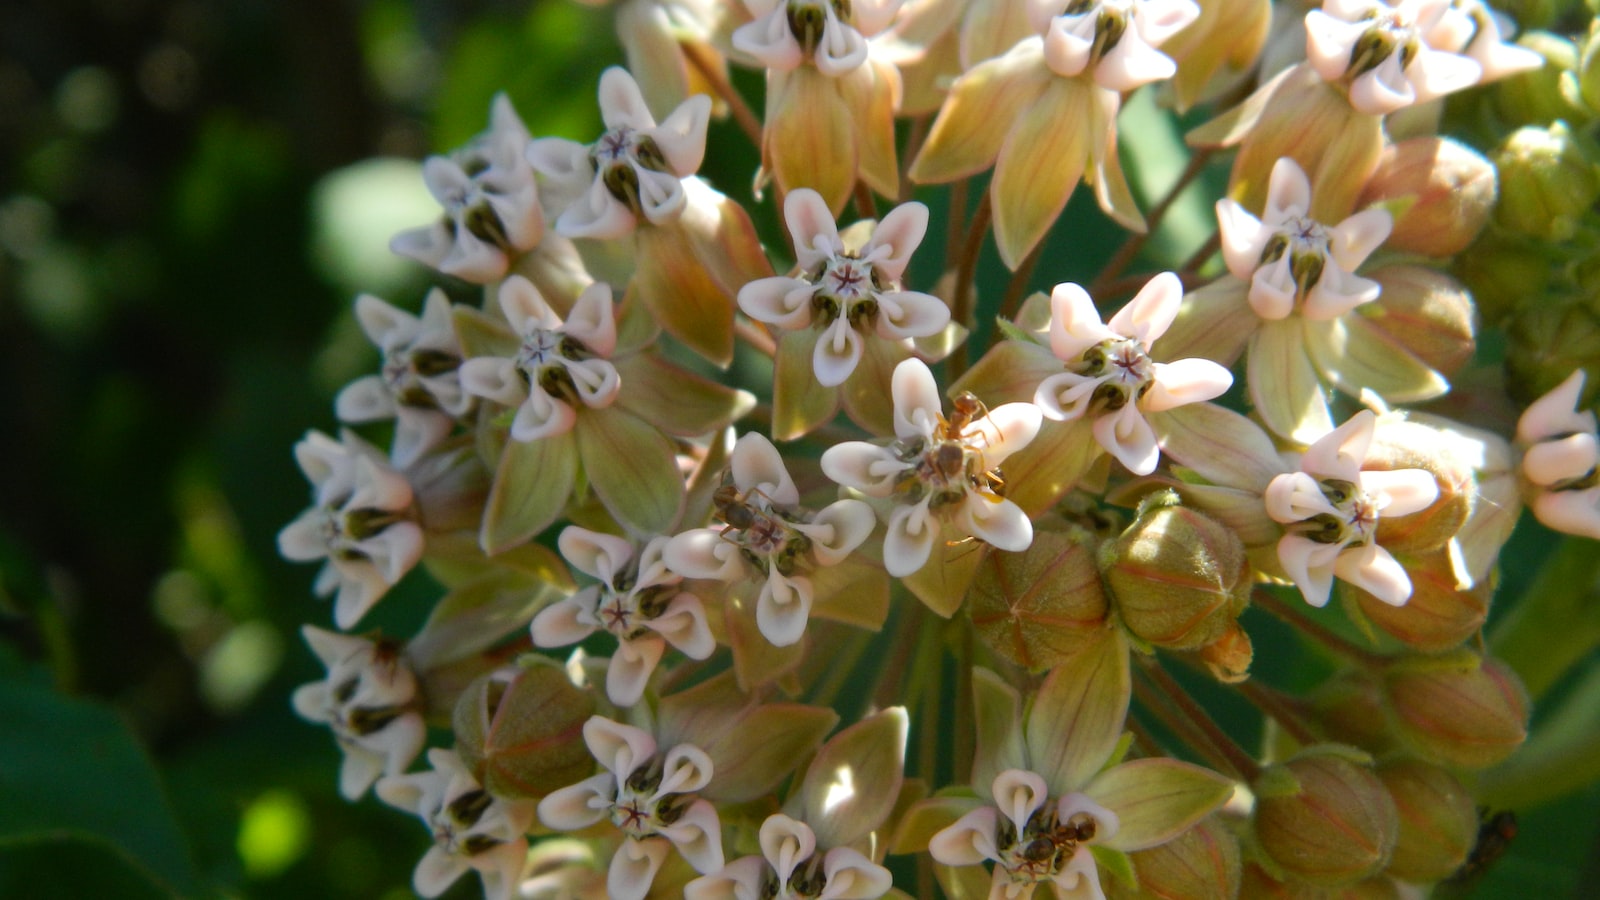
791,867
831,34
367,700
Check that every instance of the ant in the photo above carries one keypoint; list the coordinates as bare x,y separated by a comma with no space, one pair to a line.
762,529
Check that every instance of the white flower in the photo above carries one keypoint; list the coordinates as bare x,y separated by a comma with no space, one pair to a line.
490,200
650,797
1331,510
1560,458
472,829
939,469
559,365
787,33
1293,261
768,537
359,522
1110,374
1040,840
636,167
637,601
790,860
1472,28
1116,39
367,700
418,384
844,292
1391,56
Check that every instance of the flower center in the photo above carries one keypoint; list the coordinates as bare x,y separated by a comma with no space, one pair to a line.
951,462
625,605
1391,30
846,286
1045,845
1353,522
453,822
545,359
763,533
618,155
808,19
639,809
1307,244
404,370
1125,372
1111,19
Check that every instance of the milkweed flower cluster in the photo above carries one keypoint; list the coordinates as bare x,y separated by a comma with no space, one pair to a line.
646,561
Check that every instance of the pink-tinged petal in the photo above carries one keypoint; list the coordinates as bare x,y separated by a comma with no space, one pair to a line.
683,624
500,869
904,314
628,673
872,16
1018,794
597,215
564,623
598,555
1556,413
1160,20
698,836
1309,565
378,487
303,539
781,301
1075,324
757,466
495,379
427,245
1069,44
1375,571
741,879
1273,289
770,41
1150,313
634,866
1006,429
1570,512
1406,491
579,805
838,530
1079,878
783,608
897,236
1127,436
436,871
1288,192
704,553
1340,453
969,841
1336,293
416,431
542,416
917,407
996,521
842,49
1243,238
1329,41
1434,73
1382,89
384,325
910,539
1133,63
1065,396
621,103
684,770
1185,381
868,468
619,748
786,843
1557,460
593,319
1353,240
525,308
852,876
837,353
682,136
816,235
1295,497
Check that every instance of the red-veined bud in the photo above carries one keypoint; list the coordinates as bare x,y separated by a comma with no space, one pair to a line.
521,732
1258,885
1547,182
1404,444
1439,616
1457,710
1447,191
1200,862
1438,820
1426,312
1041,606
1349,707
1178,577
1324,817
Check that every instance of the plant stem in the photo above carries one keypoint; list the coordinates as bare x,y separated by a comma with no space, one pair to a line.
1242,763
1129,251
866,207
1316,630
1017,288
958,211
915,136
748,122
1191,266
1279,709
961,295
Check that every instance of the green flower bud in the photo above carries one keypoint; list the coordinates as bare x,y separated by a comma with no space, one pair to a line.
1546,182
1504,271
521,733
1535,96
1403,444
1325,818
1457,710
1438,820
1447,191
1427,312
1041,606
1201,862
1258,885
1178,578
1349,707
1548,341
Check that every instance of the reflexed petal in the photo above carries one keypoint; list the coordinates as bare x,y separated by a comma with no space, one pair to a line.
579,805
837,353
783,608
1340,453
781,301
1556,413
304,540
897,236
599,555
1375,571
1150,313
366,399
1288,192
1328,43
917,407
703,553
525,308
786,843
629,671
852,876
563,623
968,842
1434,73
811,224
1075,324
1243,238
1572,512
1018,794
1295,497
541,416
1065,396
1006,429
634,867
1336,293
1183,382
1069,44
903,314
1560,459
996,521
910,539
838,530
1309,566
1407,490
757,466
1126,435
684,770
1354,239
494,378
683,624
868,468
741,879
698,836
619,748
1133,63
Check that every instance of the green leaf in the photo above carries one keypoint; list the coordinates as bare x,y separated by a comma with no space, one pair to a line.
1077,717
72,770
1115,862
1156,799
997,715
1012,332
852,783
854,592
676,400
531,487
630,465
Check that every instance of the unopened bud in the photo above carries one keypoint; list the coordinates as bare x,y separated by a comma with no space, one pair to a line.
1200,862
1041,606
1427,312
1546,182
1548,341
1504,272
1438,820
1228,657
1404,444
1349,708
1325,818
521,732
1439,616
1258,885
1535,97
1448,190
1178,578
1457,710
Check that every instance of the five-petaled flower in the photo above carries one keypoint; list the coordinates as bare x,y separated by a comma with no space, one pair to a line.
1114,40
418,384
360,522
1330,511
1110,375
846,293
939,469
559,365
828,33
637,600
791,867
649,796
1559,459
491,204
368,700
767,536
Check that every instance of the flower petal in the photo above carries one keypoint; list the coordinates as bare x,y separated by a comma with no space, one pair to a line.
595,554
838,530
703,553
910,539
1406,491
903,314
634,866
783,608
1376,571
996,521
868,468
897,236
564,623
968,842
619,748
781,301
811,224
917,407
1307,564
786,843
698,836
1127,436
1150,313
1075,324
579,805
1183,382
683,624
1018,794
837,353
1556,413
628,673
